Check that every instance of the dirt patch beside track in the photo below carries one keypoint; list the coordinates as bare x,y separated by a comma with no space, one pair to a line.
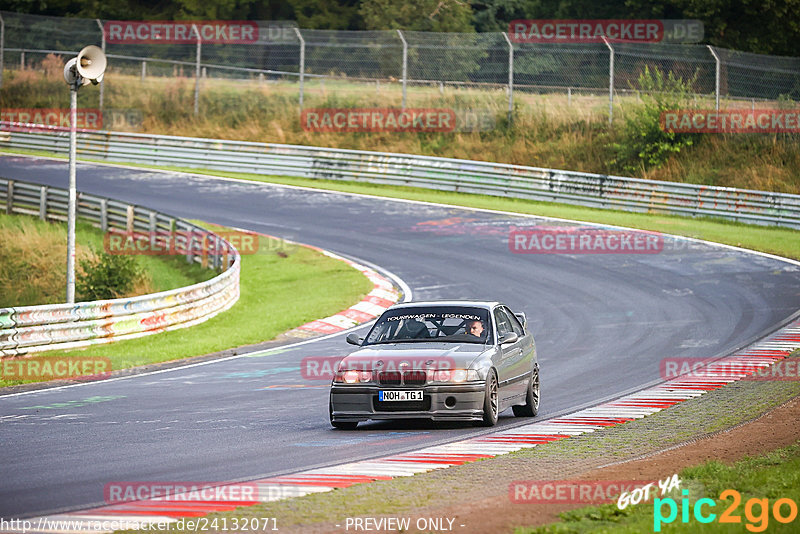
775,429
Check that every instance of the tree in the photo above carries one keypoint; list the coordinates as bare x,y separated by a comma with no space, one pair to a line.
417,15
327,14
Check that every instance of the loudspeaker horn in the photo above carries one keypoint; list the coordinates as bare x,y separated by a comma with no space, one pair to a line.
91,64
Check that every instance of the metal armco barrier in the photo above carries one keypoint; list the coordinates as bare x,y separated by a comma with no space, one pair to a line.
31,329
496,179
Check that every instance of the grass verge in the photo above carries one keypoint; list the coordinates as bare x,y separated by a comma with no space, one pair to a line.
282,286
772,240
765,479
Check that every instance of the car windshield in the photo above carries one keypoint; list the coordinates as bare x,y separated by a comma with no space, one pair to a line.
448,324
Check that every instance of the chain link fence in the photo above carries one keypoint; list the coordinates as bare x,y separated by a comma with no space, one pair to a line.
412,62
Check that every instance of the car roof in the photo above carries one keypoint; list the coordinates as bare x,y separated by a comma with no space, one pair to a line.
427,303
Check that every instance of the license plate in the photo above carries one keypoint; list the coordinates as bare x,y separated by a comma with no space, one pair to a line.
402,395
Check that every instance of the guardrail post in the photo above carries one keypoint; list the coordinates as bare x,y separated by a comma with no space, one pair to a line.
103,215
103,48
716,74
2,47
197,71
10,197
190,247
405,65
129,218
216,259
43,203
510,77
610,82
152,228
302,69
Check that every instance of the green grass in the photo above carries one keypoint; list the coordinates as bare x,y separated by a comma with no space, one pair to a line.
773,476
770,239
773,240
282,286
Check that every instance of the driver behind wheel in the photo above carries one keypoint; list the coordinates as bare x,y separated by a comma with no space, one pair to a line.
475,328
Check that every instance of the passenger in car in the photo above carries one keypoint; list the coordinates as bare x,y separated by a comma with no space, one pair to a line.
413,329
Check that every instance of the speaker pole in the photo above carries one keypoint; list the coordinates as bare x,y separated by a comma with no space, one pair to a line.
73,119
88,67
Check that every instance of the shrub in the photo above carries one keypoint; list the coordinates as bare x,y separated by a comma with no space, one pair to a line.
642,143
107,276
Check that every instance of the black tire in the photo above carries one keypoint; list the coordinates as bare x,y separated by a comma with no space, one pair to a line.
342,425
491,401
531,406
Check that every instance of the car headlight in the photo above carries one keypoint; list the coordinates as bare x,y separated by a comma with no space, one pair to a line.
455,375
352,376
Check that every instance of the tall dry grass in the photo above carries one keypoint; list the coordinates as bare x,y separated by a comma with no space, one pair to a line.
548,130
33,262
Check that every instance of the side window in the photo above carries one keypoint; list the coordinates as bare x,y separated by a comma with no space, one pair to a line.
515,324
503,324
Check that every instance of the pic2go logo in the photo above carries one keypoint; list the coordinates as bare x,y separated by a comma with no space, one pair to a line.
756,511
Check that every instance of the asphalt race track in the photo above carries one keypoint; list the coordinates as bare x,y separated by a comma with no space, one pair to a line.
602,323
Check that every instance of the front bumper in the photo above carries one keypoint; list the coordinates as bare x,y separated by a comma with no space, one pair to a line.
446,402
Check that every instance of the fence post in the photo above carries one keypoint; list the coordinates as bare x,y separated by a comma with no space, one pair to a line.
510,77
130,218
43,203
103,48
610,82
716,76
22,59
197,72
302,64
2,47
405,65
144,69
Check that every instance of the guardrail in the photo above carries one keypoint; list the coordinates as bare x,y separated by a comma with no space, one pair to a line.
31,329
496,179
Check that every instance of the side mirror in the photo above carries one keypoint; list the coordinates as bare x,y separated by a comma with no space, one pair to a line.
353,339
511,337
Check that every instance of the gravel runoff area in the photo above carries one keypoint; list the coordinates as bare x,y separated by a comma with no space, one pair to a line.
745,418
